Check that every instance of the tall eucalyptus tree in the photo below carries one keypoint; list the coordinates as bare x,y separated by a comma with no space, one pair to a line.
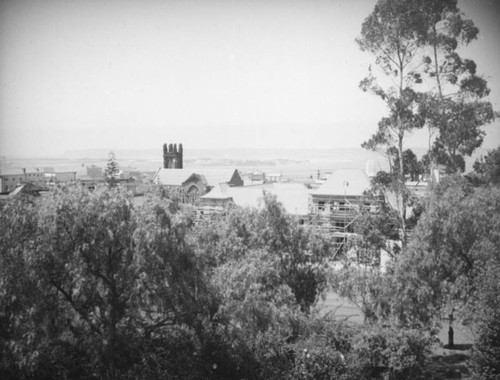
395,34
454,106
424,81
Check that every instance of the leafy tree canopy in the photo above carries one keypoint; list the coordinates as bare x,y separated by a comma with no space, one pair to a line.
488,167
112,170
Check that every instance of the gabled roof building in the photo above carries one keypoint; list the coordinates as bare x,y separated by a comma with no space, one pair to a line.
11,178
193,183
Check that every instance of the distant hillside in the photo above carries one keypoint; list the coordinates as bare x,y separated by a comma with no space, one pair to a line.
291,162
226,153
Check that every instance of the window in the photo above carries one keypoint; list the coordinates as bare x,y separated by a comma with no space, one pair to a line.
321,205
339,224
339,240
193,191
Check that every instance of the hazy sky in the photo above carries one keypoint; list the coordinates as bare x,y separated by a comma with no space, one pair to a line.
120,74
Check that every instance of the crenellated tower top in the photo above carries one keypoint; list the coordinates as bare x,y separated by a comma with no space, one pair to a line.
172,156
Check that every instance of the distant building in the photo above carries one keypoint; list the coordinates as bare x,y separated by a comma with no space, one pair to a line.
257,177
293,197
11,178
336,204
60,177
94,172
193,183
273,177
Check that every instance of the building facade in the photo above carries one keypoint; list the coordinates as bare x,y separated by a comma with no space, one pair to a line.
190,184
11,178
337,203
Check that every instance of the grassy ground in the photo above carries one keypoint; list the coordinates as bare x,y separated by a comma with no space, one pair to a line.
342,308
444,364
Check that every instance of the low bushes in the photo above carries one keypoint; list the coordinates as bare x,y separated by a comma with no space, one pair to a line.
390,353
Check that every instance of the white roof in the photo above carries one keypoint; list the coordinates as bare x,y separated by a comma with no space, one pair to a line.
176,177
345,182
293,196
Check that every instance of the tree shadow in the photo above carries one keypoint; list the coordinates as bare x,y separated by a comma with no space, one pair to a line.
458,347
450,364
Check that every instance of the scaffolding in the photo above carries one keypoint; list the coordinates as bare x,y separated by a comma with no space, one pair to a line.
336,215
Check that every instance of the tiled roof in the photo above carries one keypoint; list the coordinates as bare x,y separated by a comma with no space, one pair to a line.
344,182
219,192
176,177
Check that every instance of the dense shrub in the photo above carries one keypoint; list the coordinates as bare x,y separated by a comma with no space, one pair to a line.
315,358
310,347
389,353
485,357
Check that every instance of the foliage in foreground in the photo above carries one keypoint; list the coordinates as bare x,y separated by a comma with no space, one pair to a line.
87,280
93,286
452,263
486,351
391,353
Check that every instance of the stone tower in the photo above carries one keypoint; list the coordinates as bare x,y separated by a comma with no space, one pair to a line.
172,157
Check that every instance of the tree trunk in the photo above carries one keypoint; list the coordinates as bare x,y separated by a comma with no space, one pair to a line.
401,187
433,164
401,174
